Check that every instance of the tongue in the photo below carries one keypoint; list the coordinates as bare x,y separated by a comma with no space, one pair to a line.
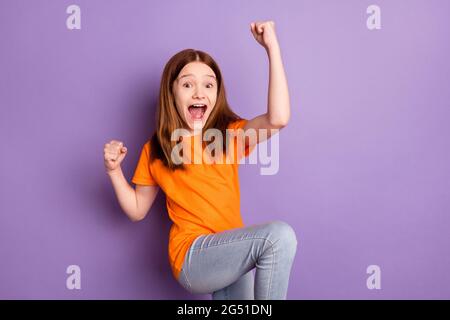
196,113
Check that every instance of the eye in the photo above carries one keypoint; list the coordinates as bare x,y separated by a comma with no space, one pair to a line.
187,83
210,84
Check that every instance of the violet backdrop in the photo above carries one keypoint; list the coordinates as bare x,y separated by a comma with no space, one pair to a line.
364,174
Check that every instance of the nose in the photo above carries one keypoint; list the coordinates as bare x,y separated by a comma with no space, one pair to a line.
198,93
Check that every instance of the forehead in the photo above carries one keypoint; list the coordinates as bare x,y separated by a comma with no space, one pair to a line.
198,70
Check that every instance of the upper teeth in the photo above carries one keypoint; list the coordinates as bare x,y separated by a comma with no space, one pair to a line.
198,105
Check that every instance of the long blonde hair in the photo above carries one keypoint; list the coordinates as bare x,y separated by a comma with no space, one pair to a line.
167,117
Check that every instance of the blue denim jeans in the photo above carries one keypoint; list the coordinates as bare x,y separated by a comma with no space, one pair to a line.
222,263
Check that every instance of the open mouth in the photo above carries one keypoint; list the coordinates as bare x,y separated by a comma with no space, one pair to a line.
197,111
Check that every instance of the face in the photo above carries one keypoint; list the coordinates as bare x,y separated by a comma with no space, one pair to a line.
195,93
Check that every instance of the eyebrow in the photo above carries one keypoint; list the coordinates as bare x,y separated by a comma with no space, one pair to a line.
190,74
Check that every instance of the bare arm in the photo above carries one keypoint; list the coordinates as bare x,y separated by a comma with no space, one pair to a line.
134,202
278,104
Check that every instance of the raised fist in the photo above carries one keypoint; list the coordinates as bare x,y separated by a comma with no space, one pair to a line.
114,153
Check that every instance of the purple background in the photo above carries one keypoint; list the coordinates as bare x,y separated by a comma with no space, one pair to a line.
364,163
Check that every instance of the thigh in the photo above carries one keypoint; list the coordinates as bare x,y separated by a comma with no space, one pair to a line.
218,260
242,289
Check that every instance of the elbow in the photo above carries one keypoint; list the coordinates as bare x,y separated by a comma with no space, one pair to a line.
136,217
280,119
279,122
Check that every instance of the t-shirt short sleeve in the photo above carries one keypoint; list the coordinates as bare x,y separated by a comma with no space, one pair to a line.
142,174
240,124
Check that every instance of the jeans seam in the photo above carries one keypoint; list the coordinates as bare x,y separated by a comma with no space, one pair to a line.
188,260
271,272
186,278
232,241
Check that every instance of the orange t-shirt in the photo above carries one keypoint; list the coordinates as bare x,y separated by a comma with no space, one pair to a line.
203,199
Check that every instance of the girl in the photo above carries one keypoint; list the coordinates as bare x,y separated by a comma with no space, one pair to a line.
210,249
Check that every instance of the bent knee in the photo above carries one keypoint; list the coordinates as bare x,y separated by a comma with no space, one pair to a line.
283,233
